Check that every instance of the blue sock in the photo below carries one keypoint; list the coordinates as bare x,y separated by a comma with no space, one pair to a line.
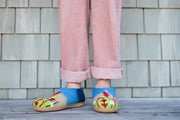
73,95
111,90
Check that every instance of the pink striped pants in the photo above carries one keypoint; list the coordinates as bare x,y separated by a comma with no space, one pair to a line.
74,39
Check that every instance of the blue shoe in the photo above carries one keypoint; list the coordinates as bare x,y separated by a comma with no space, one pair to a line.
62,99
105,100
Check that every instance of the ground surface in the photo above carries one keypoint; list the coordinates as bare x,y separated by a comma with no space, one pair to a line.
131,109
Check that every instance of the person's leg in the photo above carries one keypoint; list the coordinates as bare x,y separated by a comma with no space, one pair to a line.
106,16
103,83
74,31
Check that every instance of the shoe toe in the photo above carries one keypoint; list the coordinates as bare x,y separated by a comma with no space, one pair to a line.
41,102
105,102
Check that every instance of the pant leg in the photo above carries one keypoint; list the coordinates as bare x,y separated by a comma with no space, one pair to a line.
74,40
106,18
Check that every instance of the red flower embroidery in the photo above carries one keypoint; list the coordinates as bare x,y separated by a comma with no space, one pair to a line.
104,104
103,100
106,93
51,99
55,93
36,103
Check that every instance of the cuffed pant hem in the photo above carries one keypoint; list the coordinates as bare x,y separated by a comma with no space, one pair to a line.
106,73
75,76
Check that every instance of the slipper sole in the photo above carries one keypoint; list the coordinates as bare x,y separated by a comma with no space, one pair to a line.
106,110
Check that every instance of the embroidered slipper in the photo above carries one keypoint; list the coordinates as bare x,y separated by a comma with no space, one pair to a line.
105,100
62,99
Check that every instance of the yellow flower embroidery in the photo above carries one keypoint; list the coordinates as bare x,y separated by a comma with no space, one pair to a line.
52,96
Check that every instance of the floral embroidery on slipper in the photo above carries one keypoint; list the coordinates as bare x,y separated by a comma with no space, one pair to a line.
47,102
105,100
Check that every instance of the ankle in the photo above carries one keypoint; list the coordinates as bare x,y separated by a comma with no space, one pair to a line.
103,83
73,85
